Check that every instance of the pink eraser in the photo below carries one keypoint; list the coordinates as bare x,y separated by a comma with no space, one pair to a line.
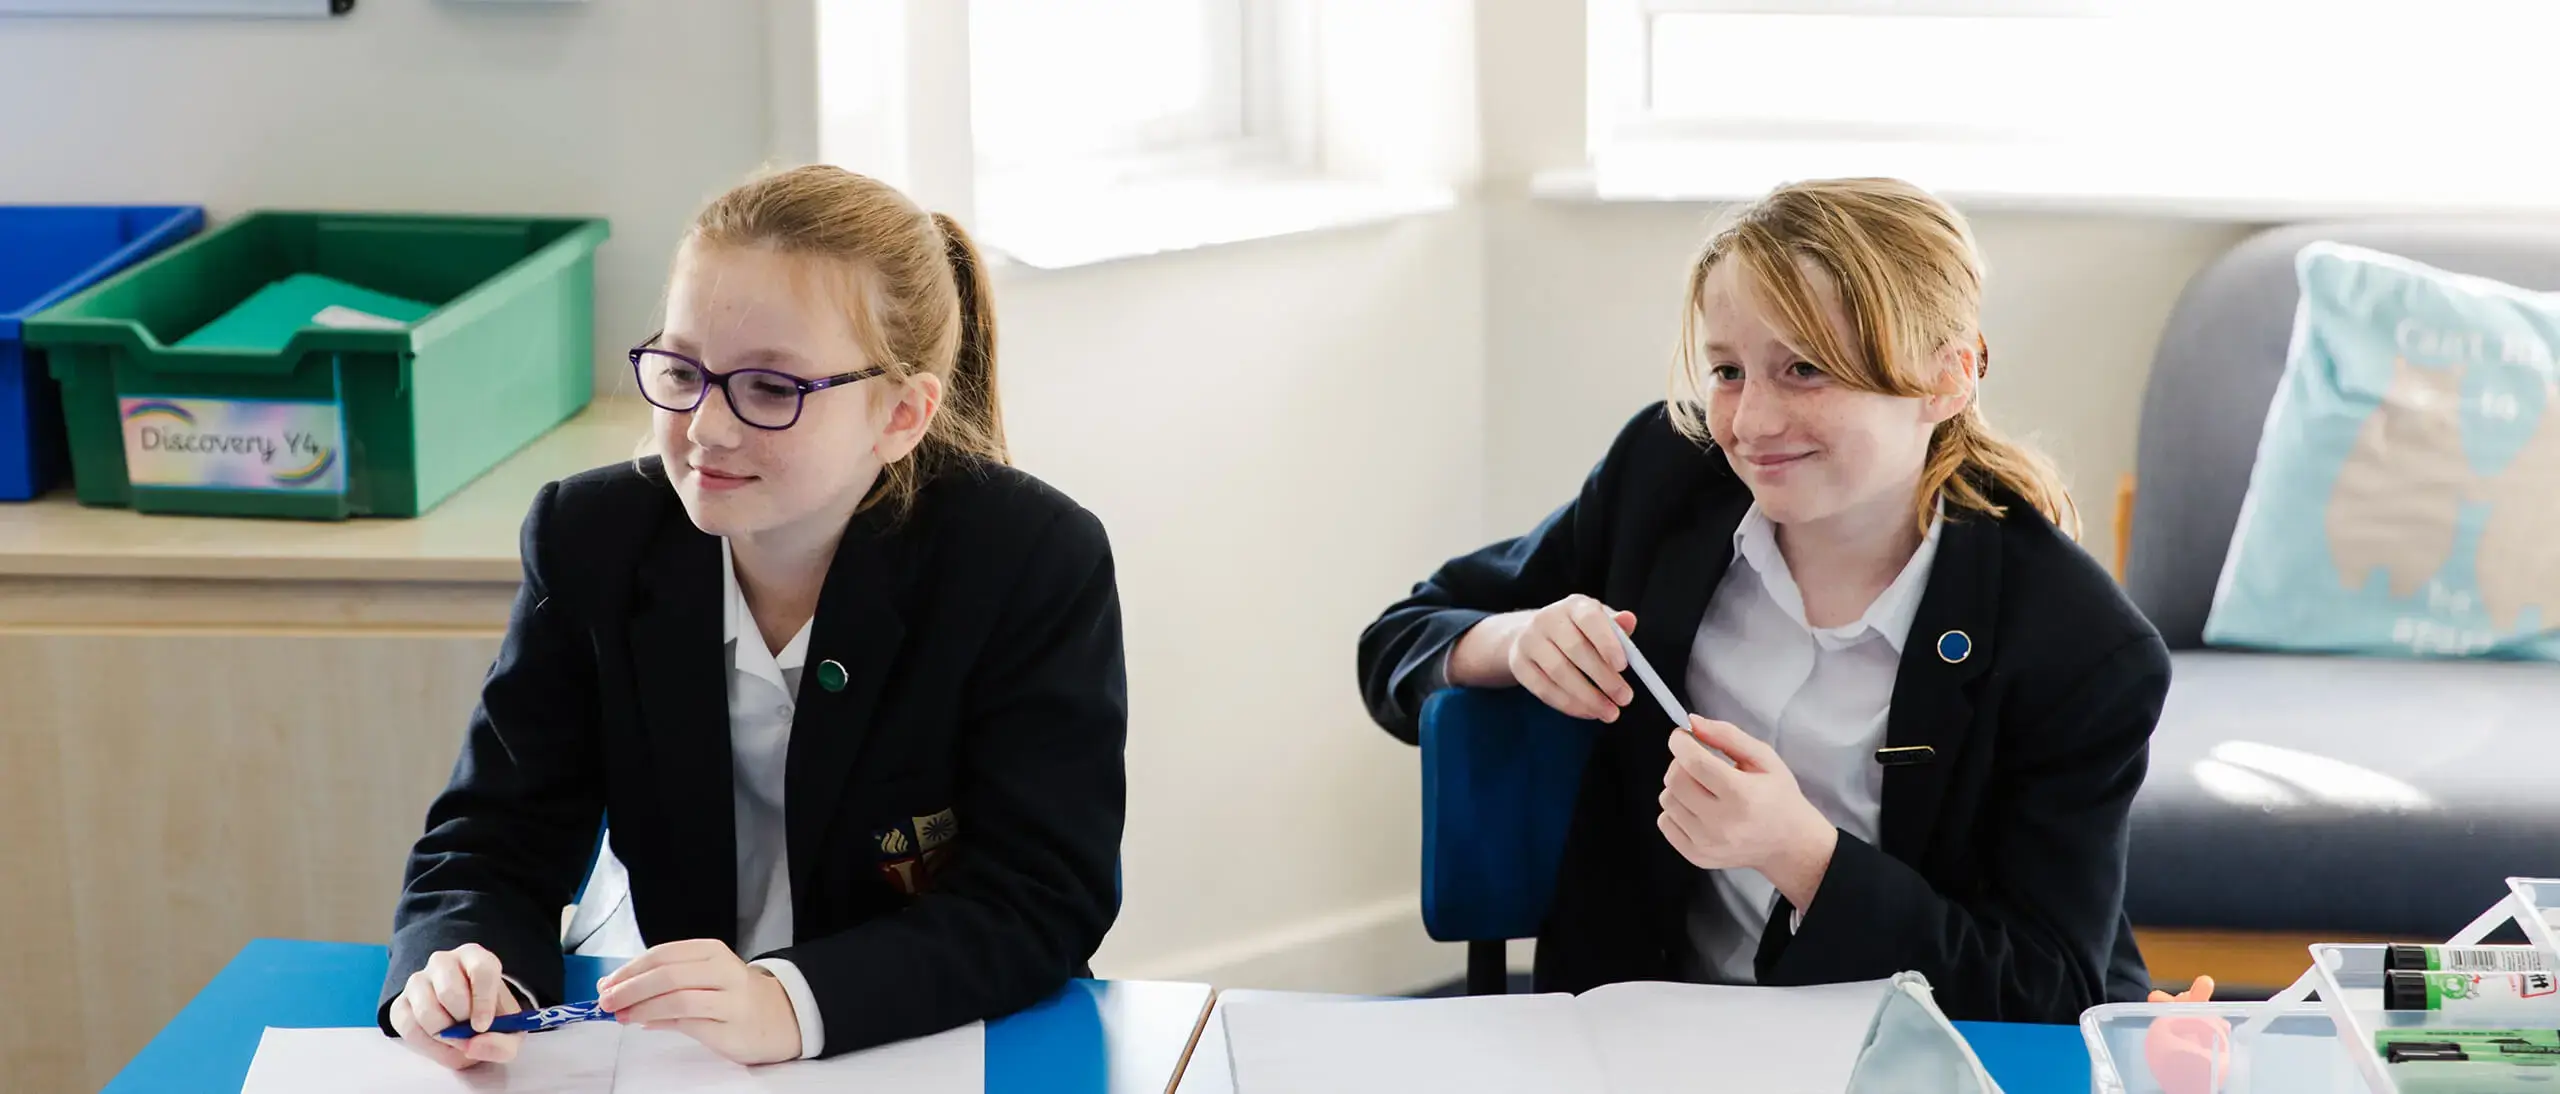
2188,1054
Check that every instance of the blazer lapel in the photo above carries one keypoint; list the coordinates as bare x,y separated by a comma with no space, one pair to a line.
1950,646
682,676
852,644
1687,566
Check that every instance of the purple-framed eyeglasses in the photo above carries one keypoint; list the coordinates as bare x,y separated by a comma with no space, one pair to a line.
760,397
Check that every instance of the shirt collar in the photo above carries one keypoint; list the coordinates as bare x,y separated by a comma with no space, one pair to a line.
748,653
1755,540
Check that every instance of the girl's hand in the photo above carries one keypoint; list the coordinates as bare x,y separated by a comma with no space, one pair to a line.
458,985
1567,654
2200,992
703,990
1748,812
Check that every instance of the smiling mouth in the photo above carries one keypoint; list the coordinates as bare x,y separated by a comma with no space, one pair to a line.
1768,462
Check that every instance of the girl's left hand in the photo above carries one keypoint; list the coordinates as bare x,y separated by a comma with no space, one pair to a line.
1746,813
703,990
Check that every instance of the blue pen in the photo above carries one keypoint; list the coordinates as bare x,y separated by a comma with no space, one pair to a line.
535,1021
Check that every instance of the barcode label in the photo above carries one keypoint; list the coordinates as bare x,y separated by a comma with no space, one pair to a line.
2491,959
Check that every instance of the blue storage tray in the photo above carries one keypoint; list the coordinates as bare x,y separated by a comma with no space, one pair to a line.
47,253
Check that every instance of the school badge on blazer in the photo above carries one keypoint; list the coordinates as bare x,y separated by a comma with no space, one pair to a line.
913,852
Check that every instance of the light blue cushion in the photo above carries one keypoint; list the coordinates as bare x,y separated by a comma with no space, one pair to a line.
2406,498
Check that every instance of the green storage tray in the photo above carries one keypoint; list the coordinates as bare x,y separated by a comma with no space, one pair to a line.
342,421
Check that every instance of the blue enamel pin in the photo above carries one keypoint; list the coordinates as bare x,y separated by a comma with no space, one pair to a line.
1954,647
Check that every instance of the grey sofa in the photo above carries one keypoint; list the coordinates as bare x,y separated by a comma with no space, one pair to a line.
2301,795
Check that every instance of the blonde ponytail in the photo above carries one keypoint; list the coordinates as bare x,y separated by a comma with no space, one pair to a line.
1969,460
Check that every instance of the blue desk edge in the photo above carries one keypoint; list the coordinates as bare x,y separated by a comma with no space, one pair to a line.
291,983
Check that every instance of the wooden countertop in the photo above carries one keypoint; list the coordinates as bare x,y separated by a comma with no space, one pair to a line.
469,538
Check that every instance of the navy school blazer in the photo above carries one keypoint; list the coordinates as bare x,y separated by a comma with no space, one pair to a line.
2000,869
953,811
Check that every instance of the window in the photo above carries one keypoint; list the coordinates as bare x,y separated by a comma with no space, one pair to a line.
1055,84
1067,133
2381,103
1839,68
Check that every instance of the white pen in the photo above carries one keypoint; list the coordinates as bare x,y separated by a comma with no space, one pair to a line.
1652,682
1662,693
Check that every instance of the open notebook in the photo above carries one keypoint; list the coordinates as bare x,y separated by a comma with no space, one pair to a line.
1619,1039
605,1058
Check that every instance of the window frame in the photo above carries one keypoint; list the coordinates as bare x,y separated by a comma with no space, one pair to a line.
1258,116
1619,68
892,96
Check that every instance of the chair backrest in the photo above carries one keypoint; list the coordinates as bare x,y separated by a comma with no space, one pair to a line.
2215,375
1500,774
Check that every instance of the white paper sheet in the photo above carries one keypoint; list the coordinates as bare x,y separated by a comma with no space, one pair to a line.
661,1062
1686,1038
605,1058
1493,1044
1620,1039
571,1060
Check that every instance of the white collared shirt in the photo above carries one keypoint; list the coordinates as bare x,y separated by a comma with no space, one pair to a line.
1819,696
763,693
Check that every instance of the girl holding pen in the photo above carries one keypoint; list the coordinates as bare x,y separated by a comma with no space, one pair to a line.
848,686
1922,710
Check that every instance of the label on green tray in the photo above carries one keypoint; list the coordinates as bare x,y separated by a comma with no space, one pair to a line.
234,444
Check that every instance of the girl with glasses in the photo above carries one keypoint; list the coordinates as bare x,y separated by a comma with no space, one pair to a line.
848,687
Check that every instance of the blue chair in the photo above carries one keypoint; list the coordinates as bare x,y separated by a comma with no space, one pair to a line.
1500,774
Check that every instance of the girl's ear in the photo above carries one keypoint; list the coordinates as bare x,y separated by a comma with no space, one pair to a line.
1959,370
910,417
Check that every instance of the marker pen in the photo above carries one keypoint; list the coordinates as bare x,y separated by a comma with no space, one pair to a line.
2437,1061
2455,1052
2540,1038
2403,989
2464,958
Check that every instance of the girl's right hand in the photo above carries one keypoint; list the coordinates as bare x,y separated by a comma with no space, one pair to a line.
462,984
1567,654
2201,992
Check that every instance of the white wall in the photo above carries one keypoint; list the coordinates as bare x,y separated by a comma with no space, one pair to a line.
1282,437
636,110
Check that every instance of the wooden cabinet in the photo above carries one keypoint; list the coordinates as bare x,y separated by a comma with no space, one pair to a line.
217,730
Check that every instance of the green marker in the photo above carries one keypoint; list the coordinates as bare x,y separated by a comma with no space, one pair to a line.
2546,1038
2414,1052
2438,1062
2467,991
2464,958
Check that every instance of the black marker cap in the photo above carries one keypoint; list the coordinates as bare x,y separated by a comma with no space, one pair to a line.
2414,1051
2412,958
2403,989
